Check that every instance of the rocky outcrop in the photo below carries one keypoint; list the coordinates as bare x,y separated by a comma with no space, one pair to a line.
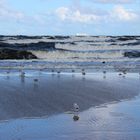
22,51
132,54
15,54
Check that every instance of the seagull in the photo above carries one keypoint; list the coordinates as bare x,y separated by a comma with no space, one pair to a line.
76,112
83,69
76,107
58,72
83,72
73,70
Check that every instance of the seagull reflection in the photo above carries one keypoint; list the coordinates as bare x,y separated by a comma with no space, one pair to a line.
36,84
22,79
104,77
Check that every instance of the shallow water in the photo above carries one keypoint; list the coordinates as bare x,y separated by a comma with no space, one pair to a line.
118,121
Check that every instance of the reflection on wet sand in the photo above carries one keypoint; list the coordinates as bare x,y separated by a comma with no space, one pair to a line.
35,86
117,121
43,90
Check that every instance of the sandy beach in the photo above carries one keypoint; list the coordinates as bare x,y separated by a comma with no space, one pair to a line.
70,70
30,109
119,121
55,93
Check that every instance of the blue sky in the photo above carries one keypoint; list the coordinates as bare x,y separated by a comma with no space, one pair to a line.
70,17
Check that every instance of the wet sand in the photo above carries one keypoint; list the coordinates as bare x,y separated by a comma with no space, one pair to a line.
52,94
116,121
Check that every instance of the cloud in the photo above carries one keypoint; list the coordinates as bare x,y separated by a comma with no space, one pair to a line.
122,14
7,13
114,1
117,13
65,13
2,1
73,17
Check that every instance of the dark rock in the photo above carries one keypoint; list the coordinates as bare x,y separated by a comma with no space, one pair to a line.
40,46
15,54
132,54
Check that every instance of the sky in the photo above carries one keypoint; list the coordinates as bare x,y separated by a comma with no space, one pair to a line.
70,17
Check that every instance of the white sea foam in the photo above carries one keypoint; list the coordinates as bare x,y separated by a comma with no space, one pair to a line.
82,49
78,56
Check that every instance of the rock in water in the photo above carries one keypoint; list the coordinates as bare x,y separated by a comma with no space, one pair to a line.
132,54
15,54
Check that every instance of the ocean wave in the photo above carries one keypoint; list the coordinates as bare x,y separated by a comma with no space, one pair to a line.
67,55
74,48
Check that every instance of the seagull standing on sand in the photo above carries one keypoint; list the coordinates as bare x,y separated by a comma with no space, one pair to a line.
83,72
73,71
58,72
76,112
76,107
